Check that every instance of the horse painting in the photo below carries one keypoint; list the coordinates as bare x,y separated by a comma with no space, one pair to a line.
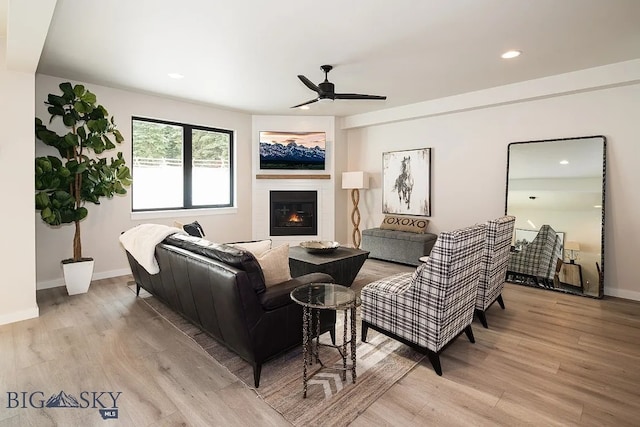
404,182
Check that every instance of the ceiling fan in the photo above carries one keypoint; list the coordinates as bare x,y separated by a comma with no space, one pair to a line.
326,90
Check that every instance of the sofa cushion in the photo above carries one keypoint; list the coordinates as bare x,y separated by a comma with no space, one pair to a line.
404,223
235,257
257,248
275,265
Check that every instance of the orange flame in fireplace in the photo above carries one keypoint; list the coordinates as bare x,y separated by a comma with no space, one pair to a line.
294,217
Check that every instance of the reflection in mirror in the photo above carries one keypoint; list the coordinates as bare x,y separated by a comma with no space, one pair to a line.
555,189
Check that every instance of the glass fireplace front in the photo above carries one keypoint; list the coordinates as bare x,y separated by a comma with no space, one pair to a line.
293,213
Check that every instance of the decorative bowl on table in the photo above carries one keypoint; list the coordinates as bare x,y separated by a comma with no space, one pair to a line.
320,246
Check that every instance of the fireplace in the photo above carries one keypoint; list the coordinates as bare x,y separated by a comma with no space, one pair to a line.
293,213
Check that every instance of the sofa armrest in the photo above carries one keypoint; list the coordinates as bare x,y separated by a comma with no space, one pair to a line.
277,296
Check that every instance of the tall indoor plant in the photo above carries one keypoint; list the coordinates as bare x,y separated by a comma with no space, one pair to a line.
64,184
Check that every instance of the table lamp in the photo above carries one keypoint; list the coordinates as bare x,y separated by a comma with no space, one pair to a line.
572,248
355,181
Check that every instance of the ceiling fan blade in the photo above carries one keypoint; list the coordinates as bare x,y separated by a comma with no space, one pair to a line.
358,96
308,83
305,103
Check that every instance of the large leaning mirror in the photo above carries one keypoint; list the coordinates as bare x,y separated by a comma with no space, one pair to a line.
555,189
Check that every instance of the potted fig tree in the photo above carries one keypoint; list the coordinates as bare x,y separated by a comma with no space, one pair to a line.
80,174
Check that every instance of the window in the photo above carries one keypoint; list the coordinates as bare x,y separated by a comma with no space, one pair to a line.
179,166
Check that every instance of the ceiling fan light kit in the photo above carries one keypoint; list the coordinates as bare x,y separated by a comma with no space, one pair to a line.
326,90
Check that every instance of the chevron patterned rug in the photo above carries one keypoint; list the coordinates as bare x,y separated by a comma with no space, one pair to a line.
381,362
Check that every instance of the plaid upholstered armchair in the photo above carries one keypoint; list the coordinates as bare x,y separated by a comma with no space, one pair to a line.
555,262
435,304
493,269
535,260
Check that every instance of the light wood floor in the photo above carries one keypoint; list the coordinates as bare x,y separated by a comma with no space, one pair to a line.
548,359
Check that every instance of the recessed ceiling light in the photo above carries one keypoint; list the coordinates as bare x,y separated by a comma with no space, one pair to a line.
511,54
304,107
176,76
597,206
564,162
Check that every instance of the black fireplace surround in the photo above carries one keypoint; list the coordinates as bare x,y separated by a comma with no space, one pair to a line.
293,213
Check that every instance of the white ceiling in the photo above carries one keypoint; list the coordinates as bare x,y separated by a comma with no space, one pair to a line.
245,54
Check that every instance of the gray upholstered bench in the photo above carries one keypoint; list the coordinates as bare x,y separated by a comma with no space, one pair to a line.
397,246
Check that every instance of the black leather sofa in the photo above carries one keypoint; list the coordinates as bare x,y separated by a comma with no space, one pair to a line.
221,289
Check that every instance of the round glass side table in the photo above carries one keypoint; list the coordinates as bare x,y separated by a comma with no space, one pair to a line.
326,296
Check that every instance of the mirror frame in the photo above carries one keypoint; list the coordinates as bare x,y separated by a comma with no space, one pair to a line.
604,176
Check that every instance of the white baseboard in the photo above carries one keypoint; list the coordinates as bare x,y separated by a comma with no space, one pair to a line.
621,293
20,315
96,276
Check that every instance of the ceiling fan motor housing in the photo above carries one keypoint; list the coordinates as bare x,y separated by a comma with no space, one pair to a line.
327,90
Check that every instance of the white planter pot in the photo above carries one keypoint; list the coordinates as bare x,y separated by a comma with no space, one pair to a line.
77,276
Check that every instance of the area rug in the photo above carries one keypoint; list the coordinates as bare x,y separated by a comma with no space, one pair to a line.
381,362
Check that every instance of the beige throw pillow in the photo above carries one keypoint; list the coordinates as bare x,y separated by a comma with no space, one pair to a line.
404,223
256,248
275,265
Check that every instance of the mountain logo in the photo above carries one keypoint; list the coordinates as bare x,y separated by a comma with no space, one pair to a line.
62,400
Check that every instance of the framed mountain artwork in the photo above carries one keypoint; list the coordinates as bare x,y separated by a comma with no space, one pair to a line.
292,150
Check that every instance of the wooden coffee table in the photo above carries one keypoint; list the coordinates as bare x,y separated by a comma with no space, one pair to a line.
343,264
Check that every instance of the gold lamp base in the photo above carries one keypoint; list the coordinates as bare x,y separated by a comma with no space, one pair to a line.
355,218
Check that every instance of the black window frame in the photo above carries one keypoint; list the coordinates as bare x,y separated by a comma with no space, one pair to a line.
187,165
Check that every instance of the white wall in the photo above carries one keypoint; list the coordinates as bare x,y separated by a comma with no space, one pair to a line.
17,259
100,230
470,154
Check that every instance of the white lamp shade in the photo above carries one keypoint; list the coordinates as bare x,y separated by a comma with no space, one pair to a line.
351,180
572,246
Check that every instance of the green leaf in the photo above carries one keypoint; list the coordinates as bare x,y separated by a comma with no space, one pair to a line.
107,143
55,111
67,89
42,200
66,216
56,100
46,213
55,183
79,90
82,132
118,136
82,107
81,168
81,213
68,120
48,137
88,97
123,173
55,162
71,140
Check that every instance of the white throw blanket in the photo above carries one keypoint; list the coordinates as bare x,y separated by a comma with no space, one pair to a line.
141,243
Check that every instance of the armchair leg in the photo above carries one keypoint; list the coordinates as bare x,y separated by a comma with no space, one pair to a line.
482,317
500,301
137,290
365,329
434,358
469,333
